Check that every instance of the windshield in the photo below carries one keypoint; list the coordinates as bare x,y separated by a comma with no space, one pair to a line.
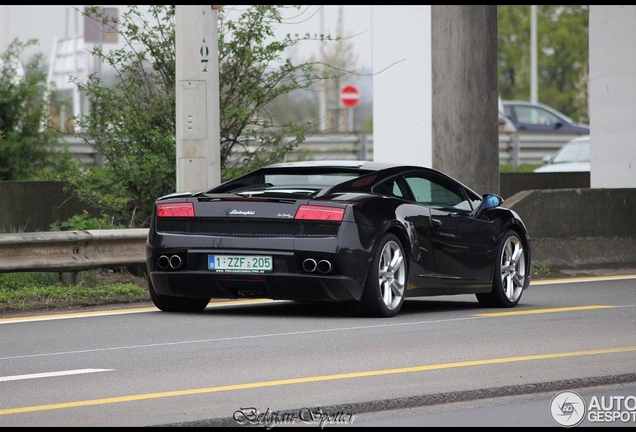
578,151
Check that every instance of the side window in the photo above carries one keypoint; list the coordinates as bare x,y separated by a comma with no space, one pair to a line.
390,188
438,193
536,116
509,111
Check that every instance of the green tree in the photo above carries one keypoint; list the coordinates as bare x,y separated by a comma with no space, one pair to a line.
562,56
29,147
132,123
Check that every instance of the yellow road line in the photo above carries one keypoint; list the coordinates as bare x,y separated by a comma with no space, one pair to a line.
234,387
539,311
105,312
74,314
582,279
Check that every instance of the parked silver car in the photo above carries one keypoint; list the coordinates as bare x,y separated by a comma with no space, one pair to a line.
573,156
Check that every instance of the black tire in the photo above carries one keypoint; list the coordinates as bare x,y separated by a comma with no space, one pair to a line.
511,275
176,304
383,294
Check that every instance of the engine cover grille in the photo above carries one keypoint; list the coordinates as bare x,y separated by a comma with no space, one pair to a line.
248,227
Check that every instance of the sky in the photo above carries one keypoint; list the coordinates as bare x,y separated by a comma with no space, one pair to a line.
356,27
45,23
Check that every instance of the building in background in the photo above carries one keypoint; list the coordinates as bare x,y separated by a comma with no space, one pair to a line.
65,38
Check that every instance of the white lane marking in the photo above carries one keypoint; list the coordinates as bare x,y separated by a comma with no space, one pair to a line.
256,336
236,338
52,374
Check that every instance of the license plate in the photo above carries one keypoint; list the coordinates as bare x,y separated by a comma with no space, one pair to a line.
240,263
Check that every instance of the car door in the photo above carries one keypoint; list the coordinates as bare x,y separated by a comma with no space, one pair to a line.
529,118
463,246
417,220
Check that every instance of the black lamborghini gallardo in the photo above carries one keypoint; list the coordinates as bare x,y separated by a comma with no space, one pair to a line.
365,233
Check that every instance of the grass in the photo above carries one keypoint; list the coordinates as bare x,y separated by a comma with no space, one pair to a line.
522,168
28,291
31,291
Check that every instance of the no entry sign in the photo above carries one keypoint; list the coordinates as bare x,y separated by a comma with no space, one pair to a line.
349,96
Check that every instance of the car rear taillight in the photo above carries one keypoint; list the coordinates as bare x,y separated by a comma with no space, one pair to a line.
183,209
320,213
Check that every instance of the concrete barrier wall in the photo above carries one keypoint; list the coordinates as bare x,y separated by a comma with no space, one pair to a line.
513,183
579,228
29,206
571,228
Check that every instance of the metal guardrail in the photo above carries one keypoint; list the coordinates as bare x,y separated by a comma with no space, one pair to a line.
529,147
69,252
514,148
336,146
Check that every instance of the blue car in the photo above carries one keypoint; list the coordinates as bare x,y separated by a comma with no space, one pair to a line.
531,117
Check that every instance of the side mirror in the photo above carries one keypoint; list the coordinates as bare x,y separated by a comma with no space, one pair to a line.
490,201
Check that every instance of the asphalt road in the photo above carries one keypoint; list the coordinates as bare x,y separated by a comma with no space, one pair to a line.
533,410
441,358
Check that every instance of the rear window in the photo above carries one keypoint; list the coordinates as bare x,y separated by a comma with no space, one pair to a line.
309,179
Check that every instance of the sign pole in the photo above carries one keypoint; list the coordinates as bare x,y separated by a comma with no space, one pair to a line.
351,119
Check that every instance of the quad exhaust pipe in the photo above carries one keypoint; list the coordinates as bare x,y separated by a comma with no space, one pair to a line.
166,262
310,265
323,266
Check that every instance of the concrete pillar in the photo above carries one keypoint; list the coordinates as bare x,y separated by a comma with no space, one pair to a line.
402,93
197,94
465,94
612,88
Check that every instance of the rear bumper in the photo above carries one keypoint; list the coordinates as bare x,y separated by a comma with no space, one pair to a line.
348,256
302,287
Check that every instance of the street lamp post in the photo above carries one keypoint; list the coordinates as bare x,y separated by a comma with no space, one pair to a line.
534,92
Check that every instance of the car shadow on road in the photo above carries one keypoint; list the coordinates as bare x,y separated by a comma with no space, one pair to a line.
336,310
